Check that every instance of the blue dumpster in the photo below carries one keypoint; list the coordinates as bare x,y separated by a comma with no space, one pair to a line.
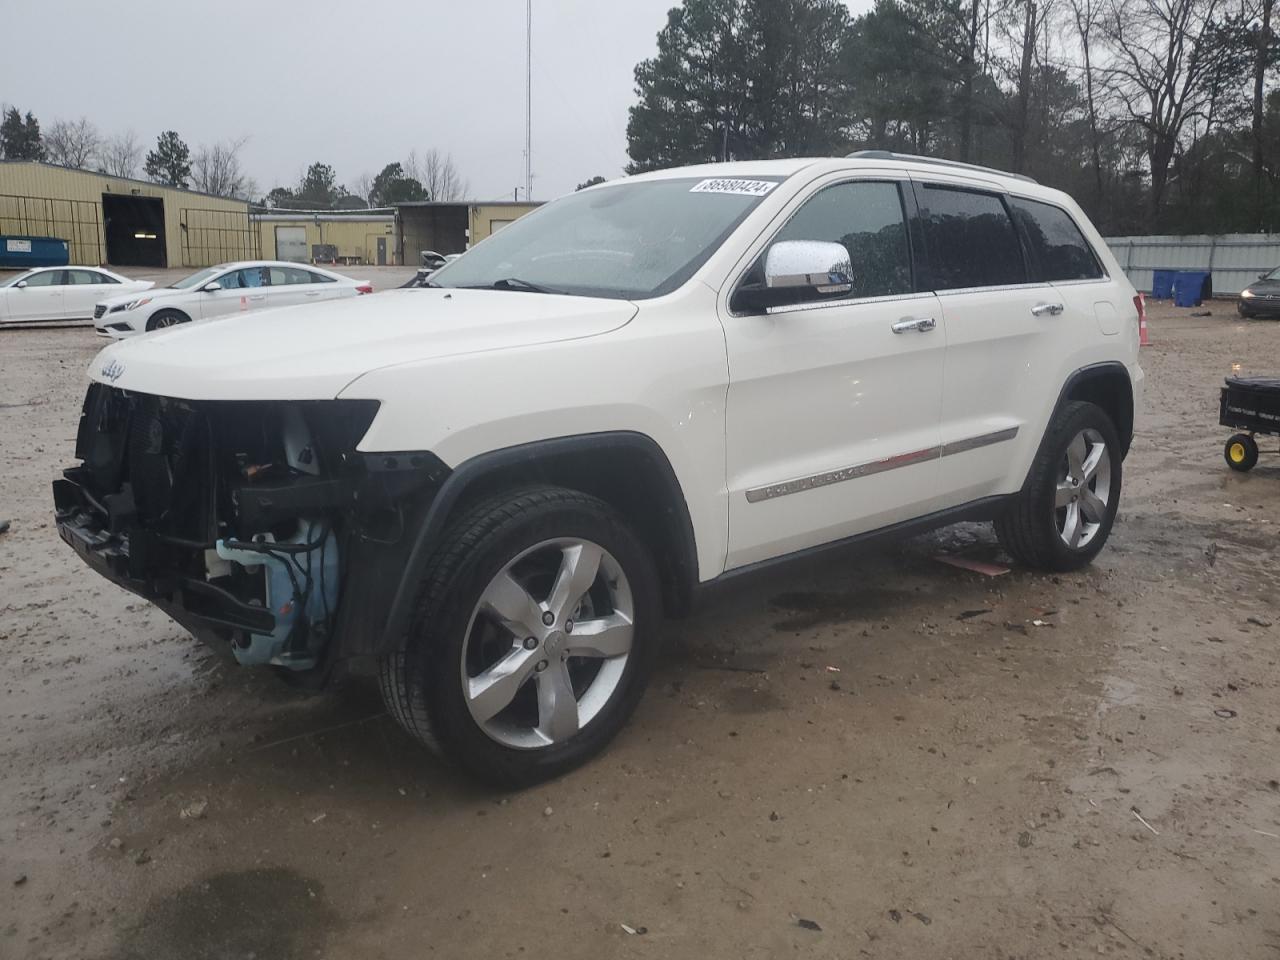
1190,287
1162,284
25,252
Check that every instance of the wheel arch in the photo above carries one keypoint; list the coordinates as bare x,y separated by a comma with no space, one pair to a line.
161,311
1107,385
627,470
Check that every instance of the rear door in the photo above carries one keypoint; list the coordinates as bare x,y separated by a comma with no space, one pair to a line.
289,286
1001,332
83,290
325,287
832,421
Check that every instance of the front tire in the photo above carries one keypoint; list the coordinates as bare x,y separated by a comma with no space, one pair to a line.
166,318
533,637
1062,517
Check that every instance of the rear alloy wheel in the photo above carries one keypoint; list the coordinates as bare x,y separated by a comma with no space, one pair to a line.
532,639
167,318
1062,517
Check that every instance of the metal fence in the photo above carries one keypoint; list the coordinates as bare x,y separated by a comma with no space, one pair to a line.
1233,259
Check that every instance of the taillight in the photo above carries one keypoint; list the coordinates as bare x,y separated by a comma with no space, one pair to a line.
364,288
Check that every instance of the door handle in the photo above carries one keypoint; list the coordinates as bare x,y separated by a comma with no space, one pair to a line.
312,293
1051,309
919,324
260,296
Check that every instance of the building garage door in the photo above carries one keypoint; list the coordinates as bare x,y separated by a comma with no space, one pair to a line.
291,244
134,229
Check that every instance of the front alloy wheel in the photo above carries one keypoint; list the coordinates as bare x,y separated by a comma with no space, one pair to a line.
532,639
548,643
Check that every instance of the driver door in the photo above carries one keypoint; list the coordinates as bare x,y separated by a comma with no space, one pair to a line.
241,291
834,407
41,298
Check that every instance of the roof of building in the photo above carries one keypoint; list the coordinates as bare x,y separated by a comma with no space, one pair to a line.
112,176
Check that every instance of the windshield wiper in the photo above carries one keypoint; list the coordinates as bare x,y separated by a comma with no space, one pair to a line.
515,283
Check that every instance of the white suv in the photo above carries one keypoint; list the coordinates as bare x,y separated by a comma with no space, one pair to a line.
489,490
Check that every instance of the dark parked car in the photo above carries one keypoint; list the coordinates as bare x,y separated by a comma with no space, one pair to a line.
1262,297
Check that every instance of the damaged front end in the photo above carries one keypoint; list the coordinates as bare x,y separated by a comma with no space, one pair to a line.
251,523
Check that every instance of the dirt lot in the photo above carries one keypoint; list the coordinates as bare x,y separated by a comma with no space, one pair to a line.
1019,766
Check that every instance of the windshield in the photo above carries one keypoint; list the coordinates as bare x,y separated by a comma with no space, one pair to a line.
1272,275
198,279
12,280
629,241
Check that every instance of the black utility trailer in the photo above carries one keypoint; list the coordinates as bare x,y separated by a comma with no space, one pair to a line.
1250,405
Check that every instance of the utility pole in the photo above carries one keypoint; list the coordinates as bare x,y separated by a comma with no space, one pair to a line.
528,100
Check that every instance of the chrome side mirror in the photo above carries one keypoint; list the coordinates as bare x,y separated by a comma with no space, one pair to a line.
799,271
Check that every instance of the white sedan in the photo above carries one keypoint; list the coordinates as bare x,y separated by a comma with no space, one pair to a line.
48,294
222,291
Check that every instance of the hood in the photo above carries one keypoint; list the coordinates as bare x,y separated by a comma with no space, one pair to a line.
311,352
144,286
1269,288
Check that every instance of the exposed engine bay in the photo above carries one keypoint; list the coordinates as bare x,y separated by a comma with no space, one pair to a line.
244,520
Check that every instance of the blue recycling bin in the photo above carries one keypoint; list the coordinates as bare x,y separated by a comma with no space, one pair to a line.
1190,287
1162,284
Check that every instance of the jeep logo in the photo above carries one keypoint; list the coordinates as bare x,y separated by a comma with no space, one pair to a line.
113,371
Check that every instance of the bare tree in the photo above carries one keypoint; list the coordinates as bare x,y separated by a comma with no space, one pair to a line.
72,143
1264,42
1086,14
120,155
364,188
437,173
1161,73
216,169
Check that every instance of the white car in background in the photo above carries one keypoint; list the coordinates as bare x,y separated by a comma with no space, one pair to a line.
222,291
48,294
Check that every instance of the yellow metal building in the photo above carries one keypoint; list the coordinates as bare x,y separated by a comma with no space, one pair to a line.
356,237
452,226
110,220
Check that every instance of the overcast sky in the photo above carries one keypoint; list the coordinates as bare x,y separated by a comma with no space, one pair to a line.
356,85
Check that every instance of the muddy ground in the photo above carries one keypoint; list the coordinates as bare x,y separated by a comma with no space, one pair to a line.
1021,766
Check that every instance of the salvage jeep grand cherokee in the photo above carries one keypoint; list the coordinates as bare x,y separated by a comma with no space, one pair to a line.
490,489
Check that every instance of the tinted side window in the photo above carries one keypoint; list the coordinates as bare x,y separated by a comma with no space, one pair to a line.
971,240
83,277
868,219
287,276
1059,248
321,278
47,278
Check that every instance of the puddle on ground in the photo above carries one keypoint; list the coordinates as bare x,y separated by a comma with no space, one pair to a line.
270,913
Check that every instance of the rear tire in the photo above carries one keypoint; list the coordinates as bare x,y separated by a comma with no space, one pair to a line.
494,673
1241,452
166,318
1062,517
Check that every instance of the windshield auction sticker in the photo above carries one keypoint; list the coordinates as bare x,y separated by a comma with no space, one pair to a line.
745,188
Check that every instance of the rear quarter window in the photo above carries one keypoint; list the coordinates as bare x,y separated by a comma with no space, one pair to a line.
970,239
1059,250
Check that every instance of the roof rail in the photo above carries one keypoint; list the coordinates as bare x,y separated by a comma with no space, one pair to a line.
916,158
